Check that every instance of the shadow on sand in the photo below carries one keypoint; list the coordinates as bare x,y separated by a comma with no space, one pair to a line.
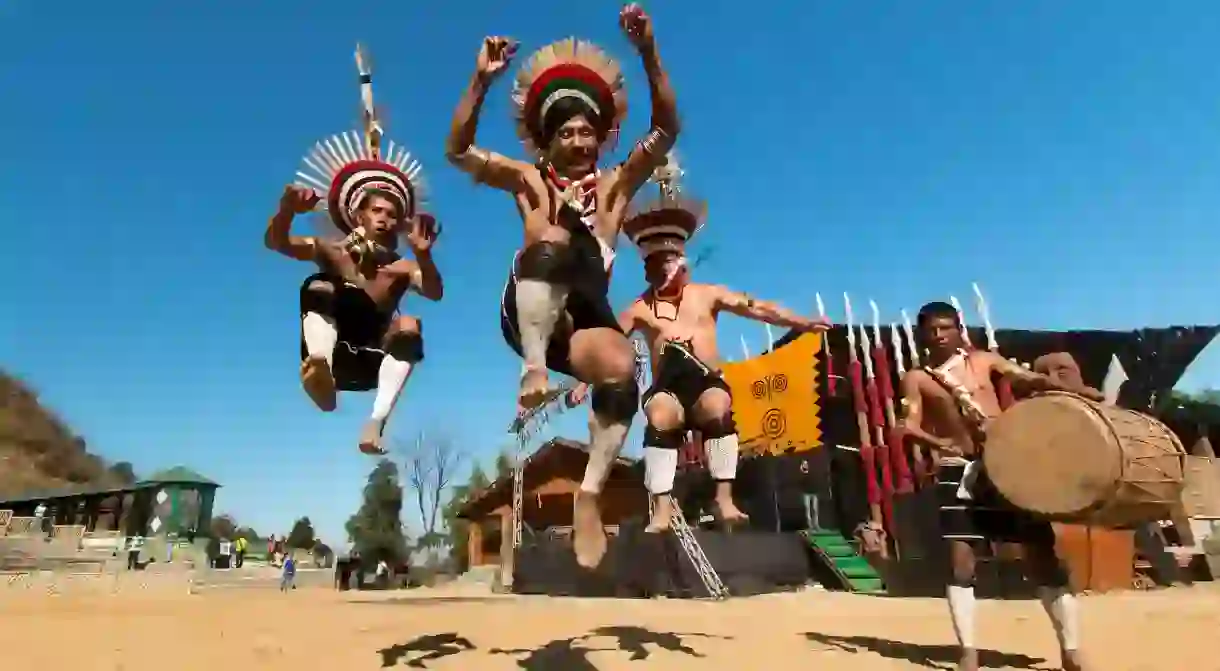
433,647
927,656
564,654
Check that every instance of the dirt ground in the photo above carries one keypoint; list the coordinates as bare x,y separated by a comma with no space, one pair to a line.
160,627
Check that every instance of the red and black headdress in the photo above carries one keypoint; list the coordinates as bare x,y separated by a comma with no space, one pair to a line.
567,71
347,166
668,222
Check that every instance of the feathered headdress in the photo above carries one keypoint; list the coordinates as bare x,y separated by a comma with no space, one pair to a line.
671,220
569,68
347,166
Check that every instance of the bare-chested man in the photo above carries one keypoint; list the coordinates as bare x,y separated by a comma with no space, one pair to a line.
351,338
947,405
555,312
678,320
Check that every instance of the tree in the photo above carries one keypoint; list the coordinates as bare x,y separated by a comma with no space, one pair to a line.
375,530
302,536
504,465
123,472
223,526
249,534
430,467
458,528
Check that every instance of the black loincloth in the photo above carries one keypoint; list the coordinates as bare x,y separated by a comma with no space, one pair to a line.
987,515
680,373
588,302
362,327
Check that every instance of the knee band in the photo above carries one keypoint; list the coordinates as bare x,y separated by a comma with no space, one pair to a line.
719,428
670,439
406,347
546,261
319,300
616,401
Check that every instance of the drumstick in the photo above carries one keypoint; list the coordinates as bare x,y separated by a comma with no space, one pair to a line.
867,451
885,381
1005,387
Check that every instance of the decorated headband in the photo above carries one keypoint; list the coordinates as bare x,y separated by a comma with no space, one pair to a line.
568,69
670,221
347,166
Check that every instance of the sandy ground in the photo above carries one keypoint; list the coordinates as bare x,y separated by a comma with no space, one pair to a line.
159,627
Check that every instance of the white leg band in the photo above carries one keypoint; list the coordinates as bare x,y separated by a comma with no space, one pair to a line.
660,467
961,609
722,457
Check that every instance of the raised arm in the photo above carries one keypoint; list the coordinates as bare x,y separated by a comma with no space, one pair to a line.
484,166
424,276
740,304
911,424
1033,381
296,200
663,131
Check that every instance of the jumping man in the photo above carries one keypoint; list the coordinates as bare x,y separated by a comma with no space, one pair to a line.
947,405
351,338
555,313
678,320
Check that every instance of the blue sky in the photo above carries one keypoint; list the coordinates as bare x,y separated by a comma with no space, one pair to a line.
1064,155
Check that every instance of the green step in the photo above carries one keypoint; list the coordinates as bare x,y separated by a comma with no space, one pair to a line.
854,571
867,585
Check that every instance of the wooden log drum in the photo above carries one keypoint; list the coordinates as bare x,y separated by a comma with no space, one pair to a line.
1074,460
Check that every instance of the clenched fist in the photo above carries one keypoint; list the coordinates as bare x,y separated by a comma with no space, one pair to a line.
637,26
495,56
298,199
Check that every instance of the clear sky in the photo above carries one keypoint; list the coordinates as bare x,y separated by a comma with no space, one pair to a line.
1064,155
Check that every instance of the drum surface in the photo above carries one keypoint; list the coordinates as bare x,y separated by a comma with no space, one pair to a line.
1054,455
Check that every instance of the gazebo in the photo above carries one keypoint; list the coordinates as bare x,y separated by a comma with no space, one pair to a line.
173,500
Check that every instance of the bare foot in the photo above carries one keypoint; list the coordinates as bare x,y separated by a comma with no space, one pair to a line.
729,515
534,388
662,513
589,536
370,438
319,383
970,660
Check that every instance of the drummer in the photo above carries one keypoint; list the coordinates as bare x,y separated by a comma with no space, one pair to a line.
946,406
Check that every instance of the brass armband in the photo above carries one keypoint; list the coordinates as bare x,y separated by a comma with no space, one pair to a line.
473,161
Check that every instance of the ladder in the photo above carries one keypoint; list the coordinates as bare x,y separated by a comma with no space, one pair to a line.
707,573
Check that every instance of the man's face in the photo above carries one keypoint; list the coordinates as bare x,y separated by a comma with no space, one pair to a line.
665,270
574,147
942,334
380,217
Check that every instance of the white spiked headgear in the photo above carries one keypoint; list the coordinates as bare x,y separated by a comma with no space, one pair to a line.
347,166
670,221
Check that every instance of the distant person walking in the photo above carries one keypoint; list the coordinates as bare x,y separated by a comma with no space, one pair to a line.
239,551
288,577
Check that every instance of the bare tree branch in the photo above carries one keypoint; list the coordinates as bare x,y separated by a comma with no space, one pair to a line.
431,462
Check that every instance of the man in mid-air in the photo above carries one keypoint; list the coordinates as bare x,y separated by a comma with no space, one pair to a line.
554,312
352,338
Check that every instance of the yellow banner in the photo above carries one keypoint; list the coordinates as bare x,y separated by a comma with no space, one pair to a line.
775,398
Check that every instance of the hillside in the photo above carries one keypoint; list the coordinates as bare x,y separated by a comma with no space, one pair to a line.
37,449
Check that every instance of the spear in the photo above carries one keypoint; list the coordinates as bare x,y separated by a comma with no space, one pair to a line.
770,338
910,334
867,451
745,349
921,466
961,318
830,373
876,417
1005,387
885,383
